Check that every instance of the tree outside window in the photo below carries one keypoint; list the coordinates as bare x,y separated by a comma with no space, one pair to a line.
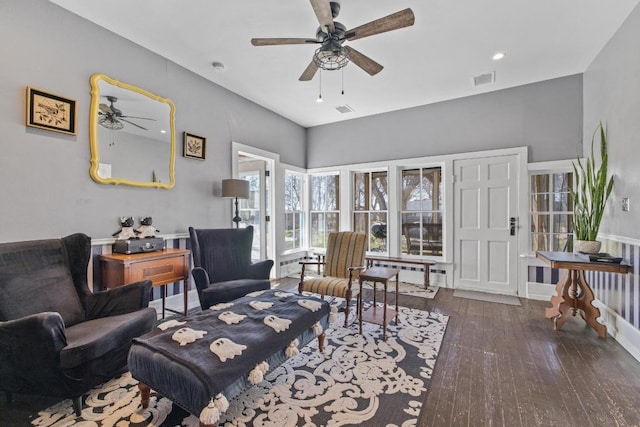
325,208
293,210
370,192
551,210
421,211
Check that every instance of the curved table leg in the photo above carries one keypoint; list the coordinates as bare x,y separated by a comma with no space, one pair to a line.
558,301
584,302
573,293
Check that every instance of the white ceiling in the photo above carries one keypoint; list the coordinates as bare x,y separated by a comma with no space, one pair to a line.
435,60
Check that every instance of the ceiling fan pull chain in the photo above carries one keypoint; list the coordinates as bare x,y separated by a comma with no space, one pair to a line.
342,69
320,80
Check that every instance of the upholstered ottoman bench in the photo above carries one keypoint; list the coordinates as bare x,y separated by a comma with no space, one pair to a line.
202,361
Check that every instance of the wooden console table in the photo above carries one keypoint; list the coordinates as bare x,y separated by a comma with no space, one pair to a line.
573,293
161,267
395,260
379,315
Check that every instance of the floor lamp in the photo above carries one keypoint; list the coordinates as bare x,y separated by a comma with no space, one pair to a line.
238,189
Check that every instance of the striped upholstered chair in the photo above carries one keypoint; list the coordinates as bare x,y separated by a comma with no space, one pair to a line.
343,262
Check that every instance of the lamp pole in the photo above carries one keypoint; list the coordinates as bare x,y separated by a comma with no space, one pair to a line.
237,218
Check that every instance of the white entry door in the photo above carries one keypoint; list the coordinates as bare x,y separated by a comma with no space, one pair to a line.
485,229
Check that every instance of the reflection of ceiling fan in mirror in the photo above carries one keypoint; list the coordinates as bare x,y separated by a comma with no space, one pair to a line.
111,117
331,35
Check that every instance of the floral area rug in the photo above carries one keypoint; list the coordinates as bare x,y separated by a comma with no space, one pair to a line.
358,379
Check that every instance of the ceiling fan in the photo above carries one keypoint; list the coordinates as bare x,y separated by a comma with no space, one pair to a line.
331,35
111,117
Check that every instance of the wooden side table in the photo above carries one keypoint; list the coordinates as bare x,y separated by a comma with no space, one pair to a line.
573,293
161,267
378,315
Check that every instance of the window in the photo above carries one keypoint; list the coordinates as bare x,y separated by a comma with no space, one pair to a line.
551,211
325,208
370,196
293,210
421,211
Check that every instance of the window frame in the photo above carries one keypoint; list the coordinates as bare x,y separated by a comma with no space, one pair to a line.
422,213
548,169
368,211
336,212
301,213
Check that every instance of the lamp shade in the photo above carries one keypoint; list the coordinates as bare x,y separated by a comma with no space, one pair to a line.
235,188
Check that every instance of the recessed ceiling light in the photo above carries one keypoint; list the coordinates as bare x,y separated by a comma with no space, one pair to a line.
498,56
218,66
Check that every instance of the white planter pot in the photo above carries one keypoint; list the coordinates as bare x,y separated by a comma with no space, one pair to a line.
586,246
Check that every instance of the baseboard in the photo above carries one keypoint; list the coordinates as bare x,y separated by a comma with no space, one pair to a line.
621,330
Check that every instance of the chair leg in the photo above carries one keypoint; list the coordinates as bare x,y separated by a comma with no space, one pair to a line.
77,405
346,308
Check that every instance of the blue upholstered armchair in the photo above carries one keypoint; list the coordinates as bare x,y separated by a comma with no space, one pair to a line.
223,269
57,338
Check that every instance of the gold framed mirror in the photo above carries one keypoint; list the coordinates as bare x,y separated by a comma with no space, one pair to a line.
132,134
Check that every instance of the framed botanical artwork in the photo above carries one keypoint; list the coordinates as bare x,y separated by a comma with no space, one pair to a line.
194,146
52,112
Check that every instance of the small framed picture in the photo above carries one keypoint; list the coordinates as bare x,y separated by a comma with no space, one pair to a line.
52,112
194,146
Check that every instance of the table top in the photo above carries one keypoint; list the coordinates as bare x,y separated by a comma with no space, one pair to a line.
378,273
572,261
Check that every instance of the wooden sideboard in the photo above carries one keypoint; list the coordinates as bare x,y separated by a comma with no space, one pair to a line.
161,267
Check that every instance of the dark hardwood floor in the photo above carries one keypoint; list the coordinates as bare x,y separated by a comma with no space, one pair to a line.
501,365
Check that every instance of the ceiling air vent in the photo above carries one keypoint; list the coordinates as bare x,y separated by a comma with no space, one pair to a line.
344,109
484,79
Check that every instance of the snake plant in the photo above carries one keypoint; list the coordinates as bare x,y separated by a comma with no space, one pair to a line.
591,191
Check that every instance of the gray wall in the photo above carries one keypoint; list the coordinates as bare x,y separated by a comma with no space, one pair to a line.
612,95
544,116
46,189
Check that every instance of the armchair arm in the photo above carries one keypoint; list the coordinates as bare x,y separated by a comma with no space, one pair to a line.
30,349
201,277
123,299
260,269
352,270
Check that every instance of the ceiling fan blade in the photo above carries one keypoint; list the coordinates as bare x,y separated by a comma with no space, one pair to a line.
309,72
322,9
134,117
105,108
131,123
279,41
363,61
404,18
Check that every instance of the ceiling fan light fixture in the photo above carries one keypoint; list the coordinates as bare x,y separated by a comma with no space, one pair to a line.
109,123
331,56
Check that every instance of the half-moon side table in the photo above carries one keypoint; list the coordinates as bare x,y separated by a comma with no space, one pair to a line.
573,293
